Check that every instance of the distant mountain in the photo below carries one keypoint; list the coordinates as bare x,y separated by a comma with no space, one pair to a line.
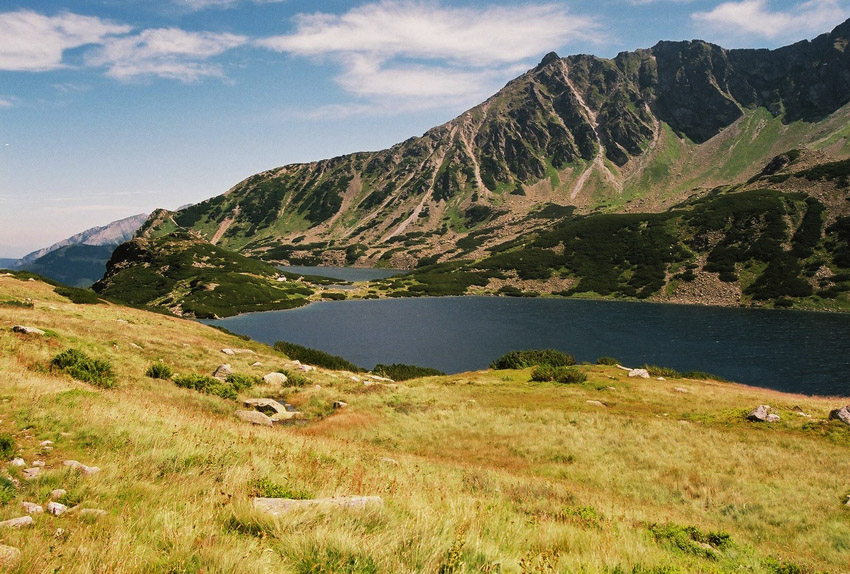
7,263
114,233
80,260
637,133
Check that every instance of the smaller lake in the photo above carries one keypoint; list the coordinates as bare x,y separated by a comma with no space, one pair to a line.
792,351
343,273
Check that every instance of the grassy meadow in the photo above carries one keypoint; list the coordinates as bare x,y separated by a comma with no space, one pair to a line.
479,472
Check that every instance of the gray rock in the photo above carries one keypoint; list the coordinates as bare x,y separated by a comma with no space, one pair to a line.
772,418
759,414
31,473
275,379
228,351
222,371
255,418
31,507
278,506
306,368
681,390
18,461
340,404
81,467
27,330
286,416
56,508
596,403
19,522
642,373
842,414
265,406
58,493
9,557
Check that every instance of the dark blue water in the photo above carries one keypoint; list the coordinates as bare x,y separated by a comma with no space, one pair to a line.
791,351
343,273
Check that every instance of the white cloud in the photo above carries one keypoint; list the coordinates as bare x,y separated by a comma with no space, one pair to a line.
422,54
5,104
754,18
205,4
163,52
34,42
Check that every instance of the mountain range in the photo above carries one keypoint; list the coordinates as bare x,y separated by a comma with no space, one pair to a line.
573,138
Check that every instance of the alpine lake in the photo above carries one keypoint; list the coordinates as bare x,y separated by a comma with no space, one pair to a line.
791,351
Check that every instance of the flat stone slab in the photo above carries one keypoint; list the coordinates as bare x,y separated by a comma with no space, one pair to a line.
255,418
31,473
27,330
266,406
19,522
278,506
286,416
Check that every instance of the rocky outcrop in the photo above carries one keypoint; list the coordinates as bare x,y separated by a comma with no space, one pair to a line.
762,414
842,414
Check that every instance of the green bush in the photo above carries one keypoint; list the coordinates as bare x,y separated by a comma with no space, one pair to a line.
7,446
295,379
315,357
241,382
78,295
530,358
690,539
206,384
83,368
159,371
610,361
564,375
8,490
402,372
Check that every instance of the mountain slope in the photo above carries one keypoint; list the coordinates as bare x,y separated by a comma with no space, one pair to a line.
639,132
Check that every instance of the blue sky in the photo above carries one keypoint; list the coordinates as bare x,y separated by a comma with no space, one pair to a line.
115,107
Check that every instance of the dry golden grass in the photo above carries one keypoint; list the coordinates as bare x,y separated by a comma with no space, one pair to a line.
479,472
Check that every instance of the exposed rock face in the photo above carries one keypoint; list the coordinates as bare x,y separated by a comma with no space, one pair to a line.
842,414
222,371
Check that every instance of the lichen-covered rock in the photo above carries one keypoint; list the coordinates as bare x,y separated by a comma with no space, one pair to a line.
842,414
222,371
759,414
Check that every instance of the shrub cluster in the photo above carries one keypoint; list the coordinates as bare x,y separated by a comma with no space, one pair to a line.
207,385
691,539
315,357
402,372
564,375
78,295
83,368
530,358
610,361
7,446
159,371
241,382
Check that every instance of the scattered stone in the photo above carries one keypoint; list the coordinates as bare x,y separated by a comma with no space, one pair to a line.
642,373
286,416
355,378
39,463
255,418
122,321
18,461
228,351
610,388
238,351
842,414
265,406
318,387
306,368
81,467
596,403
56,508
799,414
275,379
58,493
27,330
222,371
47,448
278,506
772,418
19,522
661,379
60,533
759,414
32,507
681,390
377,378
685,422
9,557
340,404
389,460
256,364
135,346
46,442
31,473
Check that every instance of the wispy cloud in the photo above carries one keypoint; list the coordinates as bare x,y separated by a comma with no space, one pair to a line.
5,103
428,52
163,52
34,42
195,5
755,18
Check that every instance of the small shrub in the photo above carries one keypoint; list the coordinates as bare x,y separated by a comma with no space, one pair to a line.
315,357
690,539
83,368
8,490
295,379
159,371
666,372
26,304
206,384
530,358
241,382
610,361
584,516
564,375
334,296
568,376
7,446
